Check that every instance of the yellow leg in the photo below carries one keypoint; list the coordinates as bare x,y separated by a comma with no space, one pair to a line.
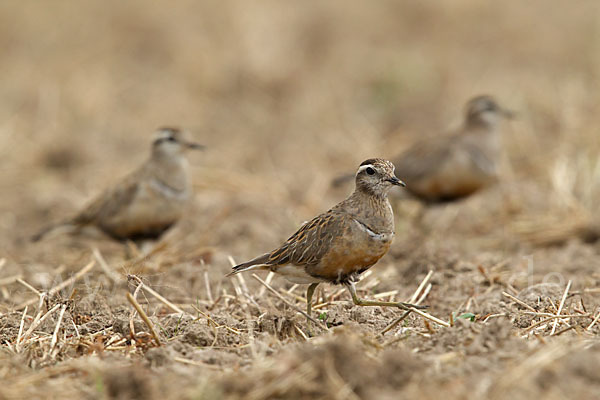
309,294
360,302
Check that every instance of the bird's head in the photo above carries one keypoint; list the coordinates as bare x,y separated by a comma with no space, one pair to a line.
172,142
376,176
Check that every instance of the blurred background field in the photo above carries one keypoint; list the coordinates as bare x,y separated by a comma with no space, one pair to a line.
287,95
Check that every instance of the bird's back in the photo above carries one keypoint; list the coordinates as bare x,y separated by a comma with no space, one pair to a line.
340,243
141,205
451,167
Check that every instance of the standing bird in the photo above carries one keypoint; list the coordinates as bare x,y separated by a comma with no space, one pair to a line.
340,244
448,168
146,202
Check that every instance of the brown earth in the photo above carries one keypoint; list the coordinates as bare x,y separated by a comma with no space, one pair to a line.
286,96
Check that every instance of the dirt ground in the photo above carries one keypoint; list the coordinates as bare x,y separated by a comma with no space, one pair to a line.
286,96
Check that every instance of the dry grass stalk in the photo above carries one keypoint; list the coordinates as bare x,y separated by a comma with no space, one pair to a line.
207,286
144,317
424,294
568,328
251,337
132,313
324,305
231,261
519,302
539,314
10,279
36,322
485,275
594,321
241,289
243,285
554,317
391,294
62,285
394,323
110,274
415,297
268,280
299,331
28,286
293,287
488,317
157,295
76,330
55,334
21,325
430,317
560,307
291,295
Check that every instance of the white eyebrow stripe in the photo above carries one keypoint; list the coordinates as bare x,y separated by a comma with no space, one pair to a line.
162,134
363,167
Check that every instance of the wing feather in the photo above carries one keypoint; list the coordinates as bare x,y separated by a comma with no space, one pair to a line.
311,242
422,159
110,202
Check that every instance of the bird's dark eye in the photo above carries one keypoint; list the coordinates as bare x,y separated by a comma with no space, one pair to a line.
171,139
370,171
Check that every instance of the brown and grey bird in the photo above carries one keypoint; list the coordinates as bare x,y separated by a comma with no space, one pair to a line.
340,244
457,165
146,202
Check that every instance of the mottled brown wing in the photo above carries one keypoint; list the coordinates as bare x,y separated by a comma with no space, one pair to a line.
110,202
311,242
422,160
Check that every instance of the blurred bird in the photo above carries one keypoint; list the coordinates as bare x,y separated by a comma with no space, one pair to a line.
146,202
448,168
340,244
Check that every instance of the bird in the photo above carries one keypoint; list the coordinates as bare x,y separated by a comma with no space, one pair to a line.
452,167
337,246
148,201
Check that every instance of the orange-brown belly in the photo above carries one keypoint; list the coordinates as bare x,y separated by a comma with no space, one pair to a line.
349,257
145,218
440,187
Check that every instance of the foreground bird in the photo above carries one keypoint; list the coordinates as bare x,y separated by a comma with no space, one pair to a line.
340,244
148,201
451,167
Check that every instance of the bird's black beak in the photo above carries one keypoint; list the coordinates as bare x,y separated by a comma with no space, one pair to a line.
396,181
194,146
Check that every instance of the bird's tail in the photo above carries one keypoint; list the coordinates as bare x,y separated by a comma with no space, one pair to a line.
43,232
256,263
342,180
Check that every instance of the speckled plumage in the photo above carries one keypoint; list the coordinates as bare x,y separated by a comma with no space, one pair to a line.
146,202
340,244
